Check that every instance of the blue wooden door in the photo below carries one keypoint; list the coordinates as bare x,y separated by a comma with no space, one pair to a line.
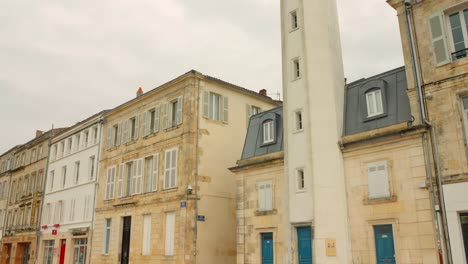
267,248
384,247
304,245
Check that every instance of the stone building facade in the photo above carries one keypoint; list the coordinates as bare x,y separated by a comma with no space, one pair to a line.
165,194
389,204
438,41
70,188
25,200
262,216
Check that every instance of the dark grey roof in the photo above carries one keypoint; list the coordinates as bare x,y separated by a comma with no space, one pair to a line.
395,102
253,145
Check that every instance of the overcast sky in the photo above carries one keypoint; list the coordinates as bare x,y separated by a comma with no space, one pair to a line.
62,61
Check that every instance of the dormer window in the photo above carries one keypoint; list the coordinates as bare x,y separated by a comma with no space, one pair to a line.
374,103
268,132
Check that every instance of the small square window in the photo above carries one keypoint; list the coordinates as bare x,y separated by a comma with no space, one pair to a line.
294,22
268,132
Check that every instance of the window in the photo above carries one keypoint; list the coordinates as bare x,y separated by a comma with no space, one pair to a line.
48,252
133,128
64,176
79,250
170,169
71,215
58,217
252,110
458,28
78,142
374,103
464,228
128,179
51,184
110,183
268,132
176,114
215,107
39,181
172,113
378,184
170,233
146,234
296,69
54,152
151,173
62,148
91,167
39,153
298,121
33,155
294,22
137,177
69,145
77,172
153,123
115,135
95,134
300,179
265,196
85,138
23,159
47,213
107,236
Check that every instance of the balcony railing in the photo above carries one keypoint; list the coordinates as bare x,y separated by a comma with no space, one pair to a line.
459,54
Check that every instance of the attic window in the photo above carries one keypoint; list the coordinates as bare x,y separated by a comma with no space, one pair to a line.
374,103
268,132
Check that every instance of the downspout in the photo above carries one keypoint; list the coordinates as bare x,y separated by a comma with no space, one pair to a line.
96,186
197,160
39,215
425,121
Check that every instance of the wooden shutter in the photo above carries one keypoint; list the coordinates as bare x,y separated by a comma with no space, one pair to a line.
225,109
108,184
144,130
154,179
206,104
109,139
125,132
167,165
378,184
261,197
439,39
268,196
174,168
133,182
146,234
156,118
137,126
170,233
119,133
165,116
120,177
139,176
179,110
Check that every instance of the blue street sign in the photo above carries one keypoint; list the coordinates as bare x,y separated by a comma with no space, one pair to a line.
183,204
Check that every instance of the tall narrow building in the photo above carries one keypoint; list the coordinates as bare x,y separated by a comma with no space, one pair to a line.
313,87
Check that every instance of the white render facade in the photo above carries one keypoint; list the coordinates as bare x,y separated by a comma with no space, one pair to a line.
70,190
313,87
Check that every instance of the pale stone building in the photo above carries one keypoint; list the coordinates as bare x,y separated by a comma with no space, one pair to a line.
389,204
165,194
261,205
70,188
26,179
437,81
313,88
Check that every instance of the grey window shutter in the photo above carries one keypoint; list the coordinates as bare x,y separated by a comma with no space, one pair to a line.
156,118
137,127
165,116
144,131
109,138
225,109
439,40
205,103
248,110
119,134
179,110
125,132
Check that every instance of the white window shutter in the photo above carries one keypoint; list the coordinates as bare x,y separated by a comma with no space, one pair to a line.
167,165
165,116
439,39
174,168
125,131
378,182
144,130
109,138
156,118
120,177
154,179
119,134
261,196
179,110
225,109
268,196
137,127
170,234
206,104
147,119
146,235
139,181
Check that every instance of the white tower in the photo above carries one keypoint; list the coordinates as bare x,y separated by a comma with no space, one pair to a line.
313,88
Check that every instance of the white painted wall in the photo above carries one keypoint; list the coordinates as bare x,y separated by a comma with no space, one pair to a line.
83,190
456,201
320,93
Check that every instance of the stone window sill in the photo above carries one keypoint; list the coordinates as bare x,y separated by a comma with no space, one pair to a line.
371,201
270,212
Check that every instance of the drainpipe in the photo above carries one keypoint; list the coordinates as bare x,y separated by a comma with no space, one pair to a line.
197,160
39,215
425,121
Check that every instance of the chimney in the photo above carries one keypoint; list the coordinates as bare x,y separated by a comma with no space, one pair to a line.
39,133
263,92
139,92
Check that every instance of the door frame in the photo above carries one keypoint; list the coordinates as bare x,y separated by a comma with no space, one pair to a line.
258,234
395,224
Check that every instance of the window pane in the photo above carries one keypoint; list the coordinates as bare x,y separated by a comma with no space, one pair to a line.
464,225
378,98
465,103
149,172
457,32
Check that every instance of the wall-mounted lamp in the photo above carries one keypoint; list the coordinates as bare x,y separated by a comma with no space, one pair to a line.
189,190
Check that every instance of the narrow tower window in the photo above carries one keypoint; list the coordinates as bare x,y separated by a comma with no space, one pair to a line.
296,69
294,23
